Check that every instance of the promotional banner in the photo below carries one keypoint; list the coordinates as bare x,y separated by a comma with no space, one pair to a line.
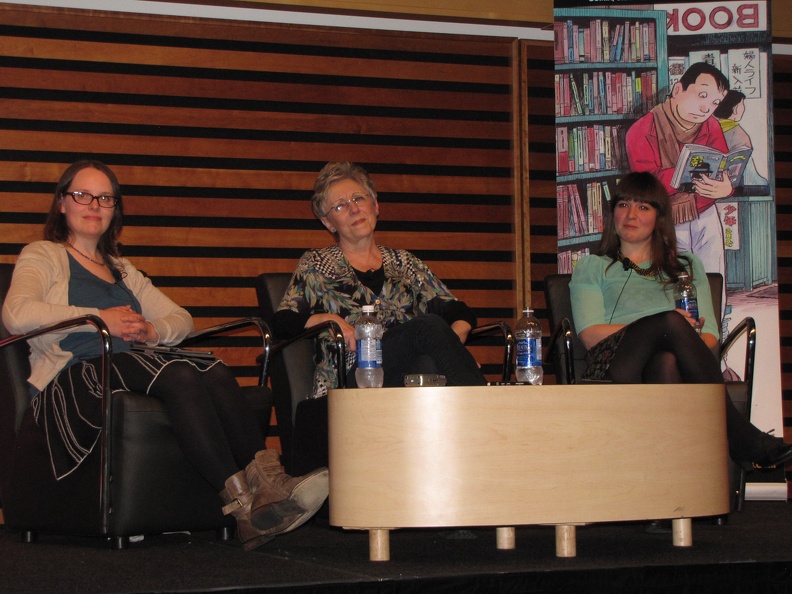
619,65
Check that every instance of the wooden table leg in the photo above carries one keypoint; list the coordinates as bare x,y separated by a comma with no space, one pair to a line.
682,529
566,544
505,538
379,545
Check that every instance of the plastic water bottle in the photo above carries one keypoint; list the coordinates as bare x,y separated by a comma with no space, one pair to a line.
368,334
529,349
685,296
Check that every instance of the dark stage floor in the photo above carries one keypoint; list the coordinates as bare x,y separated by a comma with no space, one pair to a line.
752,553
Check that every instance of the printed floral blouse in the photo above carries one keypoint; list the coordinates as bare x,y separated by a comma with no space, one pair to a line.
324,282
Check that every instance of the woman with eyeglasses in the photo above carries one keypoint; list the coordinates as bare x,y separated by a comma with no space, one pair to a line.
425,325
77,270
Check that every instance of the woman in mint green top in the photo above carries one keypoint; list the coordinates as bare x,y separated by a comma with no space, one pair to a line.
605,294
625,315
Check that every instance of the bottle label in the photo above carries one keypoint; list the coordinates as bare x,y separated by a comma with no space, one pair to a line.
689,305
529,352
369,353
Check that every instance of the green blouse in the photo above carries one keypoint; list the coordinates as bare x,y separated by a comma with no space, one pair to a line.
612,295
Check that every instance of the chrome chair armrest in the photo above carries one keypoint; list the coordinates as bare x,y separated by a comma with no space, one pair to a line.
504,330
85,320
747,326
563,332
258,323
337,339
107,401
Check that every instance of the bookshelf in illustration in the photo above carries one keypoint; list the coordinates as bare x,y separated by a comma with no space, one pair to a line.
610,69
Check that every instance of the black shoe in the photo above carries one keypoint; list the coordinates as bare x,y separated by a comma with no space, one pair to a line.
776,455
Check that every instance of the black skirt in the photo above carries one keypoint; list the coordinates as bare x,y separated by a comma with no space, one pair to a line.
599,357
69,409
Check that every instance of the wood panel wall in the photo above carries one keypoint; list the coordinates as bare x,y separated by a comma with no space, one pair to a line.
535,12
540,172
216,131
497,11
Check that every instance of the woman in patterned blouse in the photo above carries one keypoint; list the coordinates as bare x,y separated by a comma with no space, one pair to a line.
425,325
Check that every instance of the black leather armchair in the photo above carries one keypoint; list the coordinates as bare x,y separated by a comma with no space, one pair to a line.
135,481
302,420
567,353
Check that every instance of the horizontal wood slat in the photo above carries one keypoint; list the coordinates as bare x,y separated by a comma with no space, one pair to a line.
315,124
217,130
248,62
242,149
223,180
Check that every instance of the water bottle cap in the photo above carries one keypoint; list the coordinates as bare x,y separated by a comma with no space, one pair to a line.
368,309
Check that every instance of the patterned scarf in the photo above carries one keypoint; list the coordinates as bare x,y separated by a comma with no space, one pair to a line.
670,136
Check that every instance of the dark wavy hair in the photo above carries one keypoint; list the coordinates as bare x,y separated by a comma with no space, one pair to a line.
646,188
726,107
56,228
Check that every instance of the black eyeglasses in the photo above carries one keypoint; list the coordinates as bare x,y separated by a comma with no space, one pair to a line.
85,198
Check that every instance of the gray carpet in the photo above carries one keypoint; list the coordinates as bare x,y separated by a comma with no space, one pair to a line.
751,553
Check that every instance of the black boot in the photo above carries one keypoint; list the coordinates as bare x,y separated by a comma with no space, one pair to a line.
771,452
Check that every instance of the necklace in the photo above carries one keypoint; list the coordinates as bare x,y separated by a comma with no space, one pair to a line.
629,264
86,255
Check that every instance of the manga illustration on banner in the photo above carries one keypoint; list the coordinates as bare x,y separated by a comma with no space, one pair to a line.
622,70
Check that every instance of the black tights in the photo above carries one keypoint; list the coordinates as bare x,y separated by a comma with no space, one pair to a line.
425,344
212,420
664,348
428,339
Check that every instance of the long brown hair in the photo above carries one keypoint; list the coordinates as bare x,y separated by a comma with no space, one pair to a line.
56,228
646,188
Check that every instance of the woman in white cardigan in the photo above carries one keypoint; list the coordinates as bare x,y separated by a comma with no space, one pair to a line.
77,270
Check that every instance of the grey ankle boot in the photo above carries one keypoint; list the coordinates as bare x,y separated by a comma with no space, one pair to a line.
294,499
237,498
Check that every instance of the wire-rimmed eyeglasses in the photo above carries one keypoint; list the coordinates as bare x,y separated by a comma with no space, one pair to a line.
85,199
343,205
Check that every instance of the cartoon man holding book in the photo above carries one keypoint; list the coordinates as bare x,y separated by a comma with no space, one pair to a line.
654,143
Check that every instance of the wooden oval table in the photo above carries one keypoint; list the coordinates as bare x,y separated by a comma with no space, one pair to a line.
506,456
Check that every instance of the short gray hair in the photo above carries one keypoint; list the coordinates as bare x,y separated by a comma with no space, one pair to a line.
337,171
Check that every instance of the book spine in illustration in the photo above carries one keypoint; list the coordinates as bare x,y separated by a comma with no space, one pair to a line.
597,40
578,216
562,151
652,42
562,209
559,56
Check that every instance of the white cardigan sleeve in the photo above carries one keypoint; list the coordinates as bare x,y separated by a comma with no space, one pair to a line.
171,321
38,295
